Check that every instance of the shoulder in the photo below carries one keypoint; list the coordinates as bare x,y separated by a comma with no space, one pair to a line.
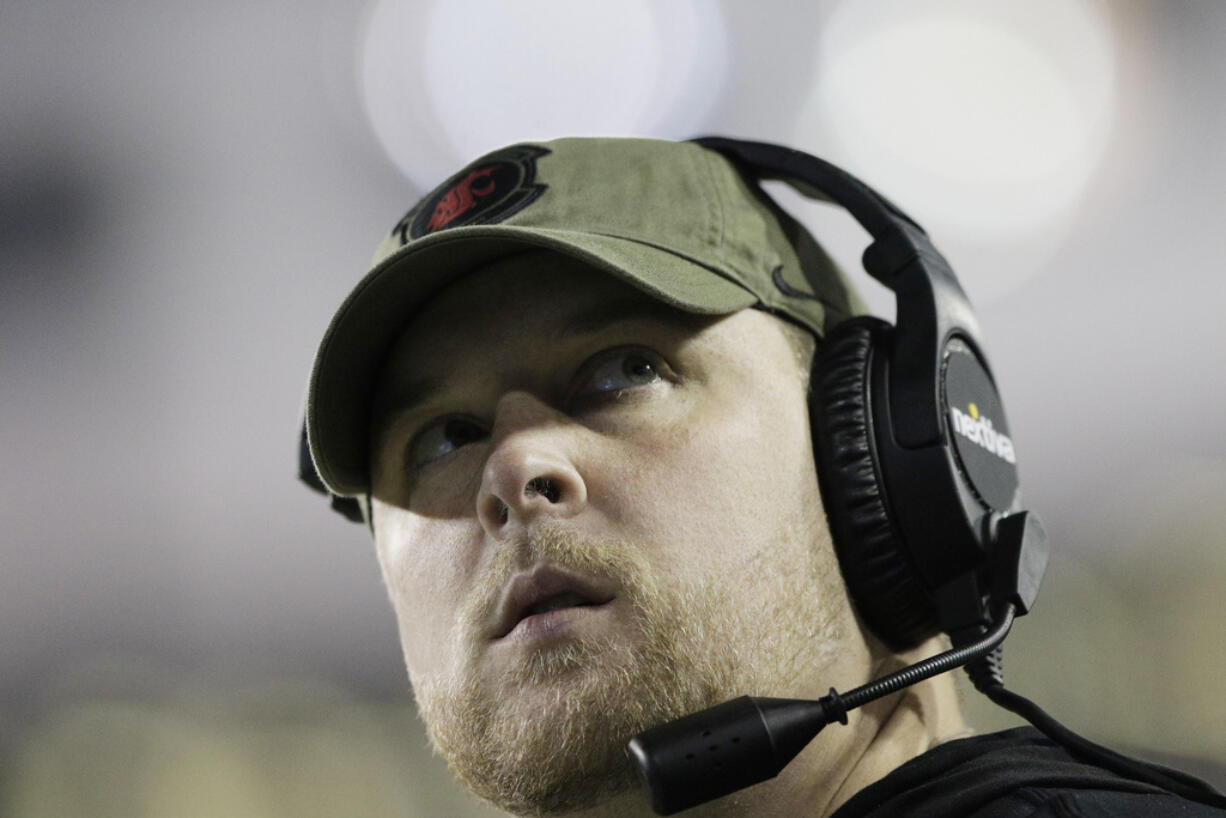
1016,773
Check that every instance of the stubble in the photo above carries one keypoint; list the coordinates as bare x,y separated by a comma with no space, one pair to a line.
547,736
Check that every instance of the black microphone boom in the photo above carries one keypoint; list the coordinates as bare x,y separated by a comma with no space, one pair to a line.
717,751
722,749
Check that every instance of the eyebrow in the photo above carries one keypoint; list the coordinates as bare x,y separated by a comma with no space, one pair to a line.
412,394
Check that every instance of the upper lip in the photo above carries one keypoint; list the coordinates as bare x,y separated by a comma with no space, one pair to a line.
538,584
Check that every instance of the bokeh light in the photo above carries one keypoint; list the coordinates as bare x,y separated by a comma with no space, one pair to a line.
986,119
445,82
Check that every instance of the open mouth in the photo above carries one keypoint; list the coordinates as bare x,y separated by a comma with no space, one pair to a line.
543,591
560,602
564,600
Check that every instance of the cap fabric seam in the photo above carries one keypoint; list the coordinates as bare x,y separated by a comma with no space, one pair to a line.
719,216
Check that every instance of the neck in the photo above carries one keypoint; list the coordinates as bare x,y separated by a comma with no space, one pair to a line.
842,760
900,727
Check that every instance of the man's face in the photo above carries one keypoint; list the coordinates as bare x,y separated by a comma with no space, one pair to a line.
595,513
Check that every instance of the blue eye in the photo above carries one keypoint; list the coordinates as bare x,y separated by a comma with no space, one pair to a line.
617,370
442,437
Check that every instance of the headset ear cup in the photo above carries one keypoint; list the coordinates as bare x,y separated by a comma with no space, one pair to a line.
884,585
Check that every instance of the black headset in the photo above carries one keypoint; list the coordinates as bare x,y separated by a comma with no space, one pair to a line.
914,504
919,479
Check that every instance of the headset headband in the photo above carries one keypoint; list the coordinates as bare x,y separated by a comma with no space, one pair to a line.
931,305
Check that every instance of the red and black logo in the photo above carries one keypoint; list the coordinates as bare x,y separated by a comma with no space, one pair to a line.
487,191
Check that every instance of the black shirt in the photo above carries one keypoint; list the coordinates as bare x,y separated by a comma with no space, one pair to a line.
1017,773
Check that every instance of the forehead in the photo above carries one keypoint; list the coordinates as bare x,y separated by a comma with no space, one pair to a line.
540,298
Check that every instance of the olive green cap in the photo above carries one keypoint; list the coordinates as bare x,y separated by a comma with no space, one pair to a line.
674,219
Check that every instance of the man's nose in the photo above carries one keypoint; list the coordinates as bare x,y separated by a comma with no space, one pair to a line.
529,474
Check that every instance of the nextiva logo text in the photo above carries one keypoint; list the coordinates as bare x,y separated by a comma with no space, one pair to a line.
979,431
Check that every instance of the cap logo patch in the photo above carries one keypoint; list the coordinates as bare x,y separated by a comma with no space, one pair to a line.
488,191
461,198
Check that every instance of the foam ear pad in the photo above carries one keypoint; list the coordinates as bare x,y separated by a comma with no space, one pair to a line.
876,565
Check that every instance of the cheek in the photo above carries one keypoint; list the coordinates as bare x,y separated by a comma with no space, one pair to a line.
424,564
723,484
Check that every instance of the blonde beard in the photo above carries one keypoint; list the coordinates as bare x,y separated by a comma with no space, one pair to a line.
561,746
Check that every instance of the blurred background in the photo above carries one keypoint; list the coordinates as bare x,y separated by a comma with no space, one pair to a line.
188,190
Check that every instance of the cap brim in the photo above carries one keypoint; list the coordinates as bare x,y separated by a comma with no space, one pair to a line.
352,351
